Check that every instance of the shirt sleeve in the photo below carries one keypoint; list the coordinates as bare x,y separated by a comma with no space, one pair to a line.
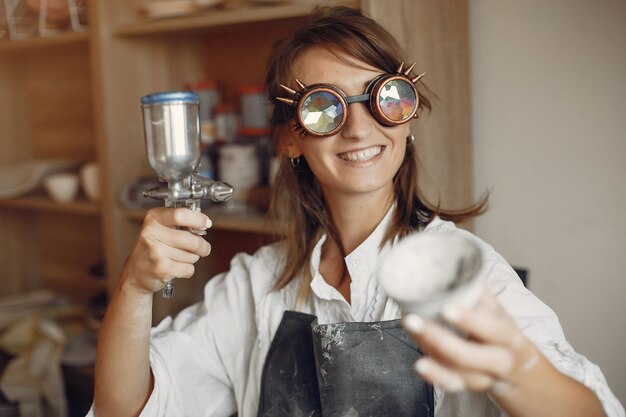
198,359
541,325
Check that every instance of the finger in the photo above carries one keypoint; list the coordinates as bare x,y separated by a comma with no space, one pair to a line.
178,217
181,256
182,239
486,326
436,374
450,349
163,253
478,381
183,270
450,379
166,269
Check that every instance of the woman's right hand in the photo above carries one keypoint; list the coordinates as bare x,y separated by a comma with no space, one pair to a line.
162,252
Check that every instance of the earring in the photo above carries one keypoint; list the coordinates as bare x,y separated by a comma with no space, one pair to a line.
295,162
410,139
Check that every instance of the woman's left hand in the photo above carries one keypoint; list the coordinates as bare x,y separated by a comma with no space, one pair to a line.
494,356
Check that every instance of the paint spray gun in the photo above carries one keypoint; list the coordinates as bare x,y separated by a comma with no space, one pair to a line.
172,133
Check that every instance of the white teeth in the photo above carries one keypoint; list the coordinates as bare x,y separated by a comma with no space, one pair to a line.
362,155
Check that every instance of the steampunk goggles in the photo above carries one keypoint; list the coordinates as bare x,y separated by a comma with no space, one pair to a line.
322,109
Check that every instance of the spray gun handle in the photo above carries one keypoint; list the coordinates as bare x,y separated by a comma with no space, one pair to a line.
189,195
168,290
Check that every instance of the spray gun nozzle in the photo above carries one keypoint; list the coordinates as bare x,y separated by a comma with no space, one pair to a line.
215,190
220,191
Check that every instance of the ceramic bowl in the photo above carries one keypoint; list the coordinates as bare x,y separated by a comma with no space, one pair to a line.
90,181
20,178
427,270
61,187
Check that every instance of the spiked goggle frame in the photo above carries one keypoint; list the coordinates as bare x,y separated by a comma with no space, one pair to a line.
303,103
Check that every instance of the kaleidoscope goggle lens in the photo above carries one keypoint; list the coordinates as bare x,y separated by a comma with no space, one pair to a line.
322,109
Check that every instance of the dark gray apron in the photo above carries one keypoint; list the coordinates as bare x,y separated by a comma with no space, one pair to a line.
342,370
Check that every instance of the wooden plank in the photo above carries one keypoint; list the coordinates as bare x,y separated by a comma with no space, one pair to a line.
57,87
46,205
45,108
19,253
39,42
69,246
213,18
14,143
233,60
435,34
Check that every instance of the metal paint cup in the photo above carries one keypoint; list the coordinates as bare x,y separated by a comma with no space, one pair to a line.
172,133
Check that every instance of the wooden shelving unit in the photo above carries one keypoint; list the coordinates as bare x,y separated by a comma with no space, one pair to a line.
76,96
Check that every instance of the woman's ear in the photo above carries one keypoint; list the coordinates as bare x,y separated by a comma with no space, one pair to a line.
288,143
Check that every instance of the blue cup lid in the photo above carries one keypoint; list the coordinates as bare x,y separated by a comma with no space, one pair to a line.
170,97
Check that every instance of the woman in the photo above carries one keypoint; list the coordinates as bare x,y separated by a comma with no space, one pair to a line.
301,328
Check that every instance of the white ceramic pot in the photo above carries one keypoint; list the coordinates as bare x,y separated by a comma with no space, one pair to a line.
90,181
61,187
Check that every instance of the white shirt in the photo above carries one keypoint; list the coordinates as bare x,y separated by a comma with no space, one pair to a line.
209,360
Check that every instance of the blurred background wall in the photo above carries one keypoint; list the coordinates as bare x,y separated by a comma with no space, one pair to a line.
548,88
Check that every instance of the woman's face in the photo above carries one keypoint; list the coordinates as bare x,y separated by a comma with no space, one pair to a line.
364,156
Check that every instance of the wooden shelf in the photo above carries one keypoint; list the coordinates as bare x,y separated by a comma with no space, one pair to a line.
78,288
217,18
40,42
43,204
253,222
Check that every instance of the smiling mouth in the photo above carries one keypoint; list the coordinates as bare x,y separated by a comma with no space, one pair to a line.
361,155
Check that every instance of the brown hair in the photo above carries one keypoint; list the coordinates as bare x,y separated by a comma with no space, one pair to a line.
297,203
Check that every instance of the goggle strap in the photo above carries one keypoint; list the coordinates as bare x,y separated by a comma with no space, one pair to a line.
356,99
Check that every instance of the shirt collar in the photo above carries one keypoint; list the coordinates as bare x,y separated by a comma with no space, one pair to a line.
366,254
363,258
